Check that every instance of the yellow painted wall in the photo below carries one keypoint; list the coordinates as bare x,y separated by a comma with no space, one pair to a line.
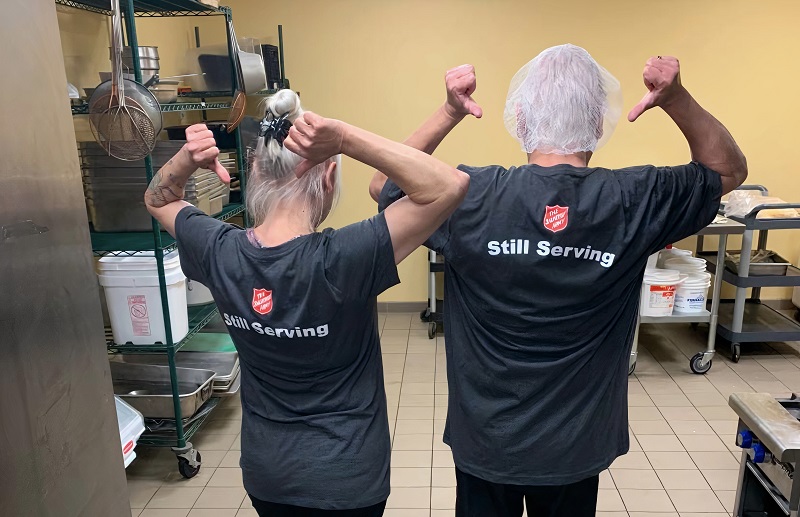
379,64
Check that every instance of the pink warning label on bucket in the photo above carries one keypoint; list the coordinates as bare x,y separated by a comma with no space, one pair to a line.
140,319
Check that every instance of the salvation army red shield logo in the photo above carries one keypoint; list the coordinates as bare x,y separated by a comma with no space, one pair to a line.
556,218
262,301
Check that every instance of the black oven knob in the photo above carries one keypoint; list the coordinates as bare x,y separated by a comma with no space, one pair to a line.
744,439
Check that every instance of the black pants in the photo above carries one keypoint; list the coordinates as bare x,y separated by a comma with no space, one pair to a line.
478,498
266,509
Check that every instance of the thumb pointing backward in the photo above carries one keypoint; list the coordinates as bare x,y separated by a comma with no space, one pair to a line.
645,104
473,108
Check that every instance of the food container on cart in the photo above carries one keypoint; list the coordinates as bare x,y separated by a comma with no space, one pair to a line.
762,263
148,388
132,293
131,427
658,291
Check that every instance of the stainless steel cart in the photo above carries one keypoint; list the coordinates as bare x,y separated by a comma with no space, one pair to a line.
433,314
701,362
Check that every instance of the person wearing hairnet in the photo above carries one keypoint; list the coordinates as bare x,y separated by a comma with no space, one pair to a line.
544,265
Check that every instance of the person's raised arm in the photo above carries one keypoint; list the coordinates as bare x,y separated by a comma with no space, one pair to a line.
164,196
460,83
709,141
433,189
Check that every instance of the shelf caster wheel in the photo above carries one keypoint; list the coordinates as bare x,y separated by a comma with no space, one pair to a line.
736,352
431,330
697,366
189,463
425,315
631,368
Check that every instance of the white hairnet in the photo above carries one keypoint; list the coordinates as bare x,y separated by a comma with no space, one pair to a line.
562,102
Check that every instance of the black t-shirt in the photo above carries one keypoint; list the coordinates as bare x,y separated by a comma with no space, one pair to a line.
542,279
303,318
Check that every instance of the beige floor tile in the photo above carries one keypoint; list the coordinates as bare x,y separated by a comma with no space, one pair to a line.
230,460
606,481
218,512
411,477
705,442
135,512
639,400
724,427
676,400
443,498
659,443
685,427
175,479
727,498
671,460
652,514
441,388
415,413
223,426
443,477
418,388
164,512
644,413
438,427
609,500
685,479
439,445
651,427
218,497
633,443
246,512
247,503
237,443
175,497
226,477
696,514
443,459
638,479
611,514
680,413
398,320
411,458
714,460
407,512
440,413
440,400
717,413
412,442
695,501
707,399
140,494
646,500
413,427
409,498
722,479
441,513
393,347
213,442
632,460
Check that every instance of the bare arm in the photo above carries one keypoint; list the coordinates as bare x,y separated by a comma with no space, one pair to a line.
164,195
709,141
460,83
433,189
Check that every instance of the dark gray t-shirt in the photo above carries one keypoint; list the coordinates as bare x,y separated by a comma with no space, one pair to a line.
303,318
542,279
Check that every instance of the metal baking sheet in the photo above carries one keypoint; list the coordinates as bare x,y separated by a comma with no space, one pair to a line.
224,364
233,390
225,386
148,389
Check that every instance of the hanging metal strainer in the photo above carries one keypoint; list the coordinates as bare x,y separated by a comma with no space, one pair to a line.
120,125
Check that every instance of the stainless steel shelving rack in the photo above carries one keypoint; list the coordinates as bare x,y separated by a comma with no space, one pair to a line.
748,320
700,363
158,241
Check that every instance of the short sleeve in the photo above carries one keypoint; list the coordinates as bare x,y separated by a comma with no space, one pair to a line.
359,260
391,193
673,202
197,236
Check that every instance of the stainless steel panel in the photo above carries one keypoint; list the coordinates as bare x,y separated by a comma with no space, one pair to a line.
774,426
59,442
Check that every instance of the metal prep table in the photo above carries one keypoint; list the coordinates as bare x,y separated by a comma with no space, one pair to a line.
701,362
769,435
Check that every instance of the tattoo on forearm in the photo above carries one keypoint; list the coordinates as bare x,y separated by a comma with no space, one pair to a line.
165,187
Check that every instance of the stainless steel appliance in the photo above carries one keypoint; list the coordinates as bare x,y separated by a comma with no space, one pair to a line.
59,439
769,435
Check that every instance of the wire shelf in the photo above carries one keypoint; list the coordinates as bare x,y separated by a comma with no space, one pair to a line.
151,8
199,317
168,439
83,109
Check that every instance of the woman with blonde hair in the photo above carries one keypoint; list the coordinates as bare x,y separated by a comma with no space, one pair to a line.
300,304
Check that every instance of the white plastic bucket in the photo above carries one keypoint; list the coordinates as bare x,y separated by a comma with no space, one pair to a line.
658,292
692,294
690,265
133,297
669,253
197,293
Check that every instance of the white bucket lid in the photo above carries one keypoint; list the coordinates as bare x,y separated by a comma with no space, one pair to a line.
139,261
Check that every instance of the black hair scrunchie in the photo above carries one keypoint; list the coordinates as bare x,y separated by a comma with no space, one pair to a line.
275,128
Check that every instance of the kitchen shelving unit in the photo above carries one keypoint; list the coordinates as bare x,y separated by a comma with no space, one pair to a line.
158,241
700,363
748,320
